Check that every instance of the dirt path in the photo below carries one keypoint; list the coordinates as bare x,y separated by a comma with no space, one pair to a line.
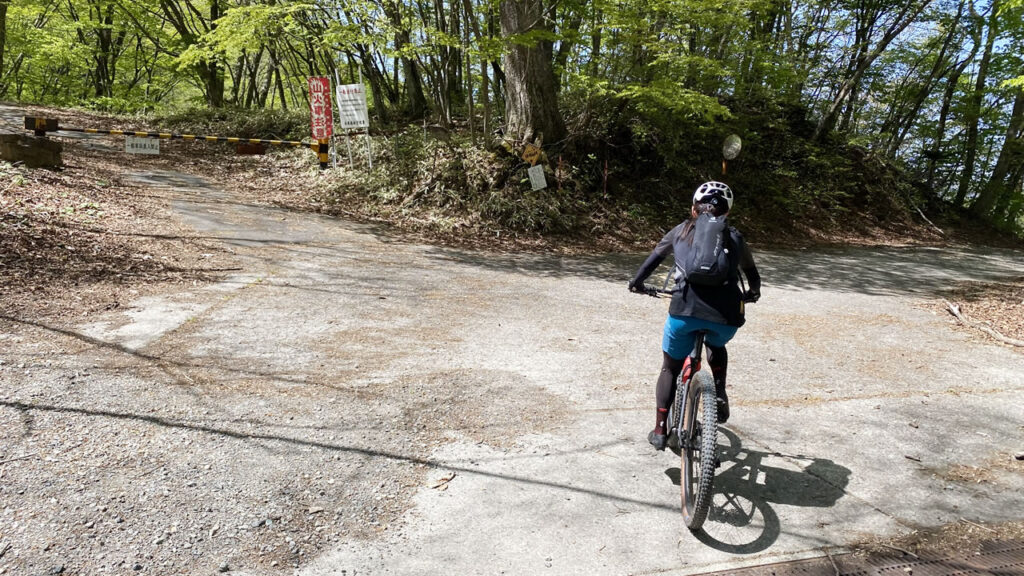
349,402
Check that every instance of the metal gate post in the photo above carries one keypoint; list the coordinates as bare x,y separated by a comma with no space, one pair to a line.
40,125
323,151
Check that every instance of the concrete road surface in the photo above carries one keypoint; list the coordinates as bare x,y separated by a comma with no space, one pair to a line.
512,394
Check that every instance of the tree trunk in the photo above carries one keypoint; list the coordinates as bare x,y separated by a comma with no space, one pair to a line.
947,100
211,72
1014,199
1010,155
237,78
564,49
252,93
595,43
3,33
973,114
851,106
413,84
213,83
1007,209
373,76
484,96
468,74
903,126
280,88
531,101
417,105
263,92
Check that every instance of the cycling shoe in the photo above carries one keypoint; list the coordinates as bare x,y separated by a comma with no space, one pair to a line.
723,410
657,440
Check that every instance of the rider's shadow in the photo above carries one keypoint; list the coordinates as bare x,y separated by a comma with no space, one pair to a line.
741,519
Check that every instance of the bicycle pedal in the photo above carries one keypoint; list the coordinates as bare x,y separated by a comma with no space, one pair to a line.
673,440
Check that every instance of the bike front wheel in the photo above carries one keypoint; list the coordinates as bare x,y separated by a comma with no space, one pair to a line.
698,449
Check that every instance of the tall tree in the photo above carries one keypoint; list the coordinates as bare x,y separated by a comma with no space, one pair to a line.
869,16
417,102
998,189
935,153
531,100
973,113
3,31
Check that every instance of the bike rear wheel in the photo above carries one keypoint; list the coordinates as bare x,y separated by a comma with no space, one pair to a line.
700,437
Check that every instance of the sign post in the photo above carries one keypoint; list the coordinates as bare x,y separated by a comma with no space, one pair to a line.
321,119
532,154
353,113
348,139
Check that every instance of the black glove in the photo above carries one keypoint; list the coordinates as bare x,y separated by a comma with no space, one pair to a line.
637,285
752,296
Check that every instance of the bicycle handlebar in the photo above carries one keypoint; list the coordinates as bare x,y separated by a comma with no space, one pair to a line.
658,293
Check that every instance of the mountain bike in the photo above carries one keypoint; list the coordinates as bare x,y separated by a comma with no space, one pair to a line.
693,430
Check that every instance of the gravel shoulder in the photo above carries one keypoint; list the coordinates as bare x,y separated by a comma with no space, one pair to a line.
336,398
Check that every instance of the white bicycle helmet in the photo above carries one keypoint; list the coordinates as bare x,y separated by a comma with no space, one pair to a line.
707,191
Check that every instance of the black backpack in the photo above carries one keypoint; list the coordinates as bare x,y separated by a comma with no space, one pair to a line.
707,261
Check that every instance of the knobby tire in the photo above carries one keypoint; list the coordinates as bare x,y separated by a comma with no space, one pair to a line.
698,452
675,418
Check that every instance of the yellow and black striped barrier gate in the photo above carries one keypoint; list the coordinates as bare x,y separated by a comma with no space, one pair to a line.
43,125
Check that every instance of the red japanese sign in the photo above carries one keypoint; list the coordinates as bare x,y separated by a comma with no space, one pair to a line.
320,115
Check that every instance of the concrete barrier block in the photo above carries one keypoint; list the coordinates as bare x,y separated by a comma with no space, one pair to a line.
33,151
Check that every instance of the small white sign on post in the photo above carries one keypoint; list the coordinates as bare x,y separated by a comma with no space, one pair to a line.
138,145
353,113
537,179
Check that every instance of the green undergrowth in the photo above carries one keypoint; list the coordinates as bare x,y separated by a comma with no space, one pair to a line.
622,179
787,187
624,176
455,186
268,124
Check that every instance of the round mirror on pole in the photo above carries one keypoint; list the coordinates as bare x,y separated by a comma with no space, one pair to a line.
730,149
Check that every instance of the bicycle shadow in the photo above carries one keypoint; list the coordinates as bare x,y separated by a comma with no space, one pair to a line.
741,519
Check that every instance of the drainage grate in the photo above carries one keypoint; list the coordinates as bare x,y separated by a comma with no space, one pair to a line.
996,558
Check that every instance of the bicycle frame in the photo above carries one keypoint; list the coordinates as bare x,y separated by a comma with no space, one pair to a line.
691,365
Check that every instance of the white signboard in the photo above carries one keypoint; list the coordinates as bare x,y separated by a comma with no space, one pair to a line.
137,145
352,109
537,180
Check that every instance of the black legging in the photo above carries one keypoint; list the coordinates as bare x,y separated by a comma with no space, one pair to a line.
718,360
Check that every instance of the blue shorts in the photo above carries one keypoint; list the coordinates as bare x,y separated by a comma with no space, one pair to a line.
681,333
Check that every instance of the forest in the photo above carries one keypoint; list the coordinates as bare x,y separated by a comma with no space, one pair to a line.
845,106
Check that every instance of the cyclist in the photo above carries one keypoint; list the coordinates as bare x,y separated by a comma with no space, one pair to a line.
716,309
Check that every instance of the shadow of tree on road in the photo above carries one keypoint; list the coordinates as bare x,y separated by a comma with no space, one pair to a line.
26,408
871,271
